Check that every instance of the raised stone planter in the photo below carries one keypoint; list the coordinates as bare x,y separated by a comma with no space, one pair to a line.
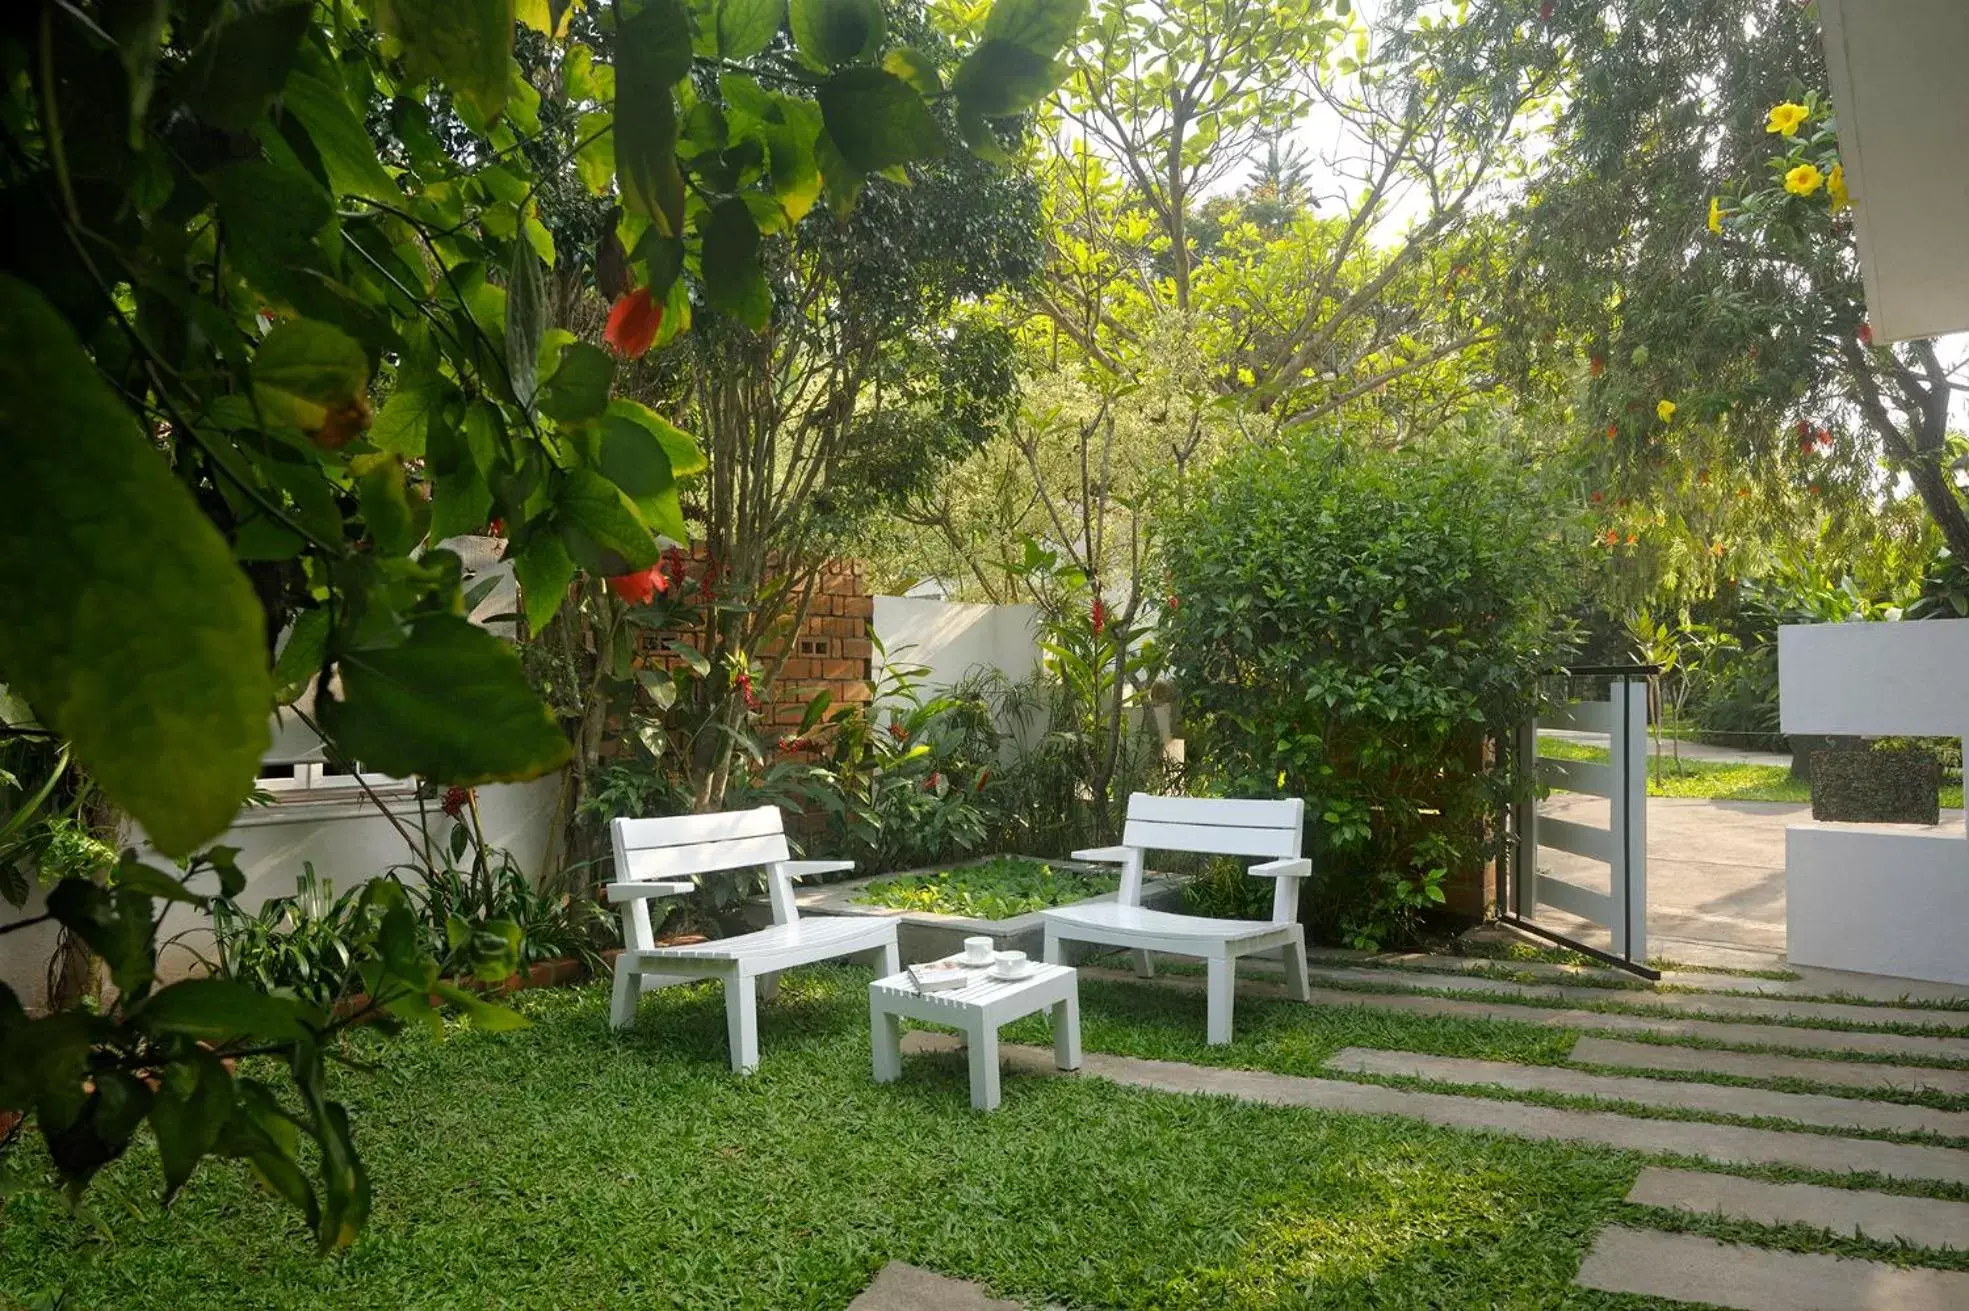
1874,786
925,935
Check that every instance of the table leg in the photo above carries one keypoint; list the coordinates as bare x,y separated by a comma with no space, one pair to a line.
1066,1032
886,1037
984,1067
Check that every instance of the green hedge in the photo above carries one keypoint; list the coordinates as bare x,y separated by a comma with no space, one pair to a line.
1351,626
1900,785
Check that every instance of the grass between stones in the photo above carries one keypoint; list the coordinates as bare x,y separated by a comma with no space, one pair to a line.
562,1166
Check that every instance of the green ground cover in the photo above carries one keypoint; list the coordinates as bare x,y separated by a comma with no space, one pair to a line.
1716,780
564,1166
993,889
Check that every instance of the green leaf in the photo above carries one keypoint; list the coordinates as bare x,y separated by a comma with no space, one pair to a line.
467,44
222,1010
734,283
526,319
635,460
831,32
999,79
396,523
403,425
745,27
194,1100
595,160
451,704
116,924
139,877
241,63
543,572
348,156
1042,26
300,658
305,371
91,517
481,1013
268,209
602,527
653,51
877,120
915,68
578,390
679,447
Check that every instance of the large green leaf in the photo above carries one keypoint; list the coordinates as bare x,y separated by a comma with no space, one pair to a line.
241,63
348,156
578,391
634,458
686,457
194,1100
831,32
123,620
526,319
745,27
543,572
450,704
653,50
305,370
466,44
602,527
734,282
1000,78
1041,26
220,1010
403,425
878,120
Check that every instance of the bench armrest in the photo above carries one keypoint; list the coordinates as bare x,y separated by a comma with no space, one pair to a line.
1292,867
1104,855
636,891
798,869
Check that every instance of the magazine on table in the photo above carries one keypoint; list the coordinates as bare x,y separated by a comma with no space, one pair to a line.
940,976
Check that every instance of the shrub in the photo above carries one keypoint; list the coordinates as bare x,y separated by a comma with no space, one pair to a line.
993,889
1351,626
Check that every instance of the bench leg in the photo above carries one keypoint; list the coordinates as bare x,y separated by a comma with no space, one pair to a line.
1222,981
1066,1032
1144,965
1294,957
768,987
886,1035
628,991
742,1022
984,1068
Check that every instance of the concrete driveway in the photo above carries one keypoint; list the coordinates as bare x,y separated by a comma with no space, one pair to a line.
1715,872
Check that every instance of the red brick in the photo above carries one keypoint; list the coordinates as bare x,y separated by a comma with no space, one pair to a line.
860,607
857,648
842,669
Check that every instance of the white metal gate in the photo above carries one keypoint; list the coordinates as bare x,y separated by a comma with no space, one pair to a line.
1622,716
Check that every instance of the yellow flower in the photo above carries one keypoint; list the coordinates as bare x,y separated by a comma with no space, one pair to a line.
1803,180
1716,214
1835,188
1665,410
1786,118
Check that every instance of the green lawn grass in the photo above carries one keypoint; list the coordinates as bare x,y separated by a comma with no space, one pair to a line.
993,889
562,1166
1715,780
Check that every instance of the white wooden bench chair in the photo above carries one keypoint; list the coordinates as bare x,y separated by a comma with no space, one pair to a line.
657,857
1227,828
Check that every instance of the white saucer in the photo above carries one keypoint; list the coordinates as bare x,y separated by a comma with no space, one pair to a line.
975,964
1002,976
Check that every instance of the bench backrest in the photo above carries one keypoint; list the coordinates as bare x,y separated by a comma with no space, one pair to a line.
678,846
1218,827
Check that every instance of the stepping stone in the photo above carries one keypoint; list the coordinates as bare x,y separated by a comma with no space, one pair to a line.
1688,1268
1717,1099
899,1287
1763,1008
1735,1035
1717,1142
1883,1217
1758,1065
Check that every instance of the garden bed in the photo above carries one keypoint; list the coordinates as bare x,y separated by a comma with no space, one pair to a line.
1004,895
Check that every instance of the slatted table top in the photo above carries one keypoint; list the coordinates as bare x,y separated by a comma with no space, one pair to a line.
981,991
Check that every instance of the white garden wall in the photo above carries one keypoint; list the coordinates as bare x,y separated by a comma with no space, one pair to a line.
1878,898
953,638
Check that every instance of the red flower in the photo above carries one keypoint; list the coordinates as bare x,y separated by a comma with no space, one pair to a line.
1596,366
496,528
632,323
641,587
455,800
1545,12
743,682
934,781
1098,614
1174,603
1804,429
897,731
1613,430
1597,497
1814,489
1866,334
1825,438
1631,539
984,776
1613,537
673,567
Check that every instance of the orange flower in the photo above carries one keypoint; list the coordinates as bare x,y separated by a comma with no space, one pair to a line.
632,323
641,587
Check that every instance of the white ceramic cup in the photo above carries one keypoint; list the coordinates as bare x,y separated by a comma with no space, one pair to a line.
1011,963
977,951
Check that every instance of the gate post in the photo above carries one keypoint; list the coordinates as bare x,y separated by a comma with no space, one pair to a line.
1629,816
1524,821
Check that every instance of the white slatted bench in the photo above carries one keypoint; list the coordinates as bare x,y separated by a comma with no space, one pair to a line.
657,857
1214,827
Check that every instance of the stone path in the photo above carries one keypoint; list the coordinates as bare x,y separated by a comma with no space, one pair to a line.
1688,1268
1883,1217
900,1287
1757,1065
1717,1099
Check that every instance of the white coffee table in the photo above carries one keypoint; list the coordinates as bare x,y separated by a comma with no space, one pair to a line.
978,1010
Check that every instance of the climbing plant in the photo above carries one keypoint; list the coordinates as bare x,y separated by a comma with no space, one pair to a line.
273,326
